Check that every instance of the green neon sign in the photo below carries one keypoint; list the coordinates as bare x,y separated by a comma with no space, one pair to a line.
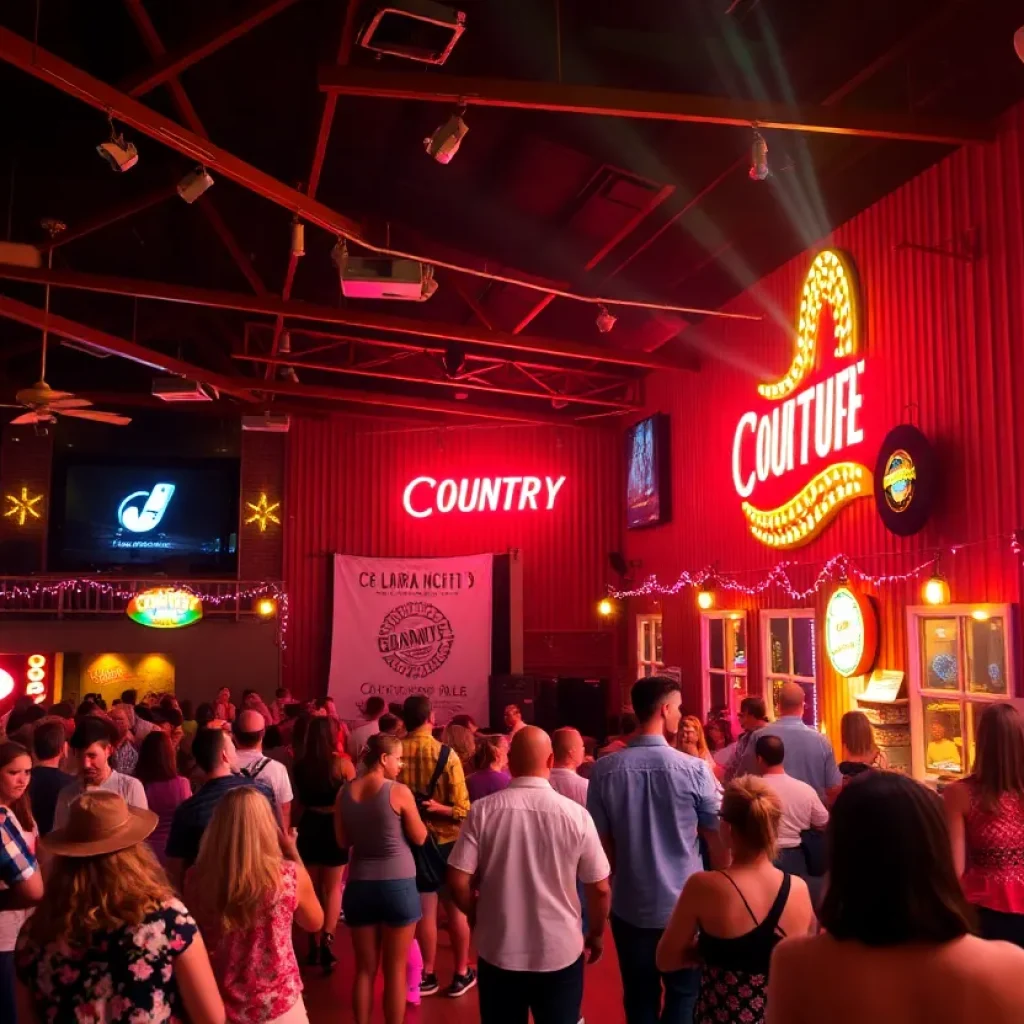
165,608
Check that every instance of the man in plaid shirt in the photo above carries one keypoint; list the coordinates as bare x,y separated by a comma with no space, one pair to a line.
443,814
21,884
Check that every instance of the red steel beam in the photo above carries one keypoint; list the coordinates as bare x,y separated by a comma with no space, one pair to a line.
171,63
603,101
623,233
188,114
271,305
129,208
461,384
35,61
32,316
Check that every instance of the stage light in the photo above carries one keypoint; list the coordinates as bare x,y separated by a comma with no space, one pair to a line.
454,359
266,607
194,184
705,599
605,608
936,590
298,238
605,321
759,169
121,155
445,142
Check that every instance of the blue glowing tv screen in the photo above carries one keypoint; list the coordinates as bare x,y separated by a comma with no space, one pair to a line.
174,517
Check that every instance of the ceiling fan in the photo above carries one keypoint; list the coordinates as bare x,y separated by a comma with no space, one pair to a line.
43,402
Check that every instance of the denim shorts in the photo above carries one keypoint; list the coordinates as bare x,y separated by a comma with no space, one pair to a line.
393,902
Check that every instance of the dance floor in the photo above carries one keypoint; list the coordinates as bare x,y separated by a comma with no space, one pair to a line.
329,1000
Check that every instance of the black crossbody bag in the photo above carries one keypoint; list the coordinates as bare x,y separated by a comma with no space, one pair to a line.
430,863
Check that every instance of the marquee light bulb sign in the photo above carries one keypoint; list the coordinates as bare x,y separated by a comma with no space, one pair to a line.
424,496
165,608
810,433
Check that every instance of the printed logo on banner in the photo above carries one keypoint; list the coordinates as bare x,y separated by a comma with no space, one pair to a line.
415,639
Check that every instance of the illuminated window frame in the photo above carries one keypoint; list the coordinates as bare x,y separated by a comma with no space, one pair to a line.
916,614
651,623
707,672
768,677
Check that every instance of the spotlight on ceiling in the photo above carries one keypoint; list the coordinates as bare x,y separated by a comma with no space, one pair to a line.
121,155
759,169
194,184
454,359
445,142
605,321
298,238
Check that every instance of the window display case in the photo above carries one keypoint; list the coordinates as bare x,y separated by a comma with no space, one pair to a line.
961,659
723,644
649,658
789,651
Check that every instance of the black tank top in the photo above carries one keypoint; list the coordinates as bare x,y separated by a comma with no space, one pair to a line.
752,951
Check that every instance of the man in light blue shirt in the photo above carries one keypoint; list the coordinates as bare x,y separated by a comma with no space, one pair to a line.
809,755
648,802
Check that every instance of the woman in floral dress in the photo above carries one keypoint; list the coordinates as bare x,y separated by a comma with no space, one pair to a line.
109,942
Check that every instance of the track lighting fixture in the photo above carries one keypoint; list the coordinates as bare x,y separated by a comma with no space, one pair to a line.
759,169
445,142
194,184
605,321
121,155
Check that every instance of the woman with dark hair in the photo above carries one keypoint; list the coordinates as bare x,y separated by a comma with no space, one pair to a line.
985,814
734,919
204,715
897,946
319,773
860,751
157,770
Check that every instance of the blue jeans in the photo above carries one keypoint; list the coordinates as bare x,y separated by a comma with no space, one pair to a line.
642,982
553,997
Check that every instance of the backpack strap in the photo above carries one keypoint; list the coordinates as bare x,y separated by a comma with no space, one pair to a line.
442,763
253,770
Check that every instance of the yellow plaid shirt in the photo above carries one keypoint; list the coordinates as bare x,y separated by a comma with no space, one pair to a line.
419,758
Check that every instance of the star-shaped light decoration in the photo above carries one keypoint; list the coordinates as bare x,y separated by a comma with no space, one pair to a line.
23,507
263,512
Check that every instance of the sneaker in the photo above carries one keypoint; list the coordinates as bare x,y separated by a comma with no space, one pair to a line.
429,985
461,984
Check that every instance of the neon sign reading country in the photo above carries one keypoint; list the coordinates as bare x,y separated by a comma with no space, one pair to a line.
821,420
423,496
165,608
142,519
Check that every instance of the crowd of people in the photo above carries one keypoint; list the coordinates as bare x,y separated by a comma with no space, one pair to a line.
159,865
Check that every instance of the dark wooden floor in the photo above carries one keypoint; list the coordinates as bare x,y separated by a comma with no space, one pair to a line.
329,1000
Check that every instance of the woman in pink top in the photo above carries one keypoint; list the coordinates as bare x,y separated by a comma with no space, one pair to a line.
985,814
247,888
165,788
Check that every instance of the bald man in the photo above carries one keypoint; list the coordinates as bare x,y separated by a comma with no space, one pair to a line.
513,872
249,728
809,755
567,746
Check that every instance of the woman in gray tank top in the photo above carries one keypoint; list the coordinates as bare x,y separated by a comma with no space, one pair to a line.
376,819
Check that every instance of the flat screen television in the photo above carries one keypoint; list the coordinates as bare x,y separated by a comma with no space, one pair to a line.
178,517
648,498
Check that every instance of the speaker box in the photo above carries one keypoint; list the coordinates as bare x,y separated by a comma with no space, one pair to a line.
582,704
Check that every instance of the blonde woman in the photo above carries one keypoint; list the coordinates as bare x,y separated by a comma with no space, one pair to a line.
860,751
246,888
690,740
109,941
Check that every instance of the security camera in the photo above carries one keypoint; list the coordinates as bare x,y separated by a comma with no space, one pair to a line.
445,142
605,321
121,155
194,184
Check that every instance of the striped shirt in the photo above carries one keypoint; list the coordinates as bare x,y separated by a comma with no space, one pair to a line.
17,863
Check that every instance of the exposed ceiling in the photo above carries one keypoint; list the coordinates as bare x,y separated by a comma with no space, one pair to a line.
607,156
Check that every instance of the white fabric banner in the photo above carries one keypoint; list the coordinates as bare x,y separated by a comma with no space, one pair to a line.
412,625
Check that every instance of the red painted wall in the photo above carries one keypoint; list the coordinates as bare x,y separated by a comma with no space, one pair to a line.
343,494
944,344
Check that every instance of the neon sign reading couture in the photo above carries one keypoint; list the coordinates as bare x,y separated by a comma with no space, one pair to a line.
810,424
423,496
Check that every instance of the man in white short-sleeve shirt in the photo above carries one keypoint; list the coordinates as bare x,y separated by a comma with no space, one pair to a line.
802,808
526,846
249,727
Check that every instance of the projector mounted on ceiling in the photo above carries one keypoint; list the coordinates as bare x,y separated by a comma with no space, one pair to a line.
178,389
381,277
419,30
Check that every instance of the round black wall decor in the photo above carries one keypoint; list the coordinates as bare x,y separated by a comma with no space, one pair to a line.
906,480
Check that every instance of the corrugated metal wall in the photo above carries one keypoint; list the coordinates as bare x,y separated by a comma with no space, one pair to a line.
343,494
945,347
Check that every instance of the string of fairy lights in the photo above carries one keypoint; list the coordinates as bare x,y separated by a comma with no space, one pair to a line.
266,599
839,569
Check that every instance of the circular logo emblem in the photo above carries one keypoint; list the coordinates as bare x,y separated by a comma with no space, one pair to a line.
898,480
415,639
851,632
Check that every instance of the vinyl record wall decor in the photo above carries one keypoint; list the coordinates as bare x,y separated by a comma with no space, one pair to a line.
906,480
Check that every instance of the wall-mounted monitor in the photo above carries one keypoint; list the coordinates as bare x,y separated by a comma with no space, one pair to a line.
648,477
178,517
